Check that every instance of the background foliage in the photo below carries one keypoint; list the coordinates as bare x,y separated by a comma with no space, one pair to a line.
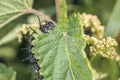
13,13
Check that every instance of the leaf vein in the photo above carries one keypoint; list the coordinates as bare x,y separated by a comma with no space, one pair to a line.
69,61
6,4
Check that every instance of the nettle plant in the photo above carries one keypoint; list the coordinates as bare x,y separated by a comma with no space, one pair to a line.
61,50
58,53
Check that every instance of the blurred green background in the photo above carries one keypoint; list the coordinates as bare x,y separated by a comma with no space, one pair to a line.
108,11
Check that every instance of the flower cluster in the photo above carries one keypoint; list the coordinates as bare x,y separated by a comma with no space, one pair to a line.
104,47
92,24
26,29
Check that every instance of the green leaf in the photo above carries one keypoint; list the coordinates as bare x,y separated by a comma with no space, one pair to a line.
11,9
113,70
8,53
61,52
7,73
113,26
61,9
10,36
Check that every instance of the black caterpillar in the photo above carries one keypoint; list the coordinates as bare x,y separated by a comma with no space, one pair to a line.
33,60
43,28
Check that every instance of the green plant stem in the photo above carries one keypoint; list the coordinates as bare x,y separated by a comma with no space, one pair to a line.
58,10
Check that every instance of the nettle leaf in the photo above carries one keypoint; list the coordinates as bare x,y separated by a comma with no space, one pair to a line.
8,36
7,73
60,53
11,9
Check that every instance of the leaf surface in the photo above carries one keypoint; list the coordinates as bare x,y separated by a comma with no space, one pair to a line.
11,9
7,73
60,53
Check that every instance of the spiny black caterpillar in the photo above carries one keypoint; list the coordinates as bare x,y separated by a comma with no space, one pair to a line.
43,28
33,60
